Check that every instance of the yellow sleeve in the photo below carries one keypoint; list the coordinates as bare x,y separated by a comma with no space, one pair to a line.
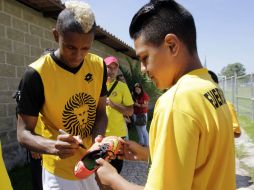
174,147
236,124
4,179
39,126
127,98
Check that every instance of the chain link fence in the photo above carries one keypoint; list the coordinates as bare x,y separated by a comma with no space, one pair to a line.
240,91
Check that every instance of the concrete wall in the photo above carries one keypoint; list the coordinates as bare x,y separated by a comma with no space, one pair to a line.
24,34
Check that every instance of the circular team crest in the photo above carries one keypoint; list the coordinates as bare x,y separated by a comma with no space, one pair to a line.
114,93
79,115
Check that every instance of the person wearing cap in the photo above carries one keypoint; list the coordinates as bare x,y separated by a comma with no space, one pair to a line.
119,103
58,90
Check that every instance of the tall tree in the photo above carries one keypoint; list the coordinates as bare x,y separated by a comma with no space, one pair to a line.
231,69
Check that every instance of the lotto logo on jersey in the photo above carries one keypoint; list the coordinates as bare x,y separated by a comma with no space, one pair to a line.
89,77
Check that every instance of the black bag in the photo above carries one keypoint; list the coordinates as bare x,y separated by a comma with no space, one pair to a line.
112,88
140,119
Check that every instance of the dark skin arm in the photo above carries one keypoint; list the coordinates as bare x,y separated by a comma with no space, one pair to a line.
101,119
64,146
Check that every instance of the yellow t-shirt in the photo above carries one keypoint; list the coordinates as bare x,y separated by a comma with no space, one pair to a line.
191,139
39,126
70,104
4,179
236,124
116,123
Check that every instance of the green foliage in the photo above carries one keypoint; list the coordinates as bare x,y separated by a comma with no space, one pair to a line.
133,134
230,70
134,75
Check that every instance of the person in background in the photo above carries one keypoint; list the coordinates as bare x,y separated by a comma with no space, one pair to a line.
128,119
141,100
190,139
4,179
119,103
120,77
58,89
235,121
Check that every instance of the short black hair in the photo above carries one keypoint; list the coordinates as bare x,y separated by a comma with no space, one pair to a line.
160,17
214,76
139,85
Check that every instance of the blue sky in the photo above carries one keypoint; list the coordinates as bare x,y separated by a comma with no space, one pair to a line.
225,28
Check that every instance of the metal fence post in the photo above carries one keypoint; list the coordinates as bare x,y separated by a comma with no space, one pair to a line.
240,91
236,92
233,89
252,95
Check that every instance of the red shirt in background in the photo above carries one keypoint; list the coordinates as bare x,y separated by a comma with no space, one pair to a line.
140,100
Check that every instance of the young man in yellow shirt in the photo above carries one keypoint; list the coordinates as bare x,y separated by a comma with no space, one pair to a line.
191,140
65,90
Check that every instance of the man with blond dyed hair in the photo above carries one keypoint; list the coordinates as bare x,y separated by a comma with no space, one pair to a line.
58,89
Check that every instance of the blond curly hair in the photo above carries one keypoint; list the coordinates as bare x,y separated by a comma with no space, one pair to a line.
76,17
82,13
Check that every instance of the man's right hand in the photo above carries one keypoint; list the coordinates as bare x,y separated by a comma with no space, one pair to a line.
66,145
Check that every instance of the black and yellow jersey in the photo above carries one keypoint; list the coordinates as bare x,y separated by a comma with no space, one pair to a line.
66,99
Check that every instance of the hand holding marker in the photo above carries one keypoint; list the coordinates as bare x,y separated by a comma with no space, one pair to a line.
64,132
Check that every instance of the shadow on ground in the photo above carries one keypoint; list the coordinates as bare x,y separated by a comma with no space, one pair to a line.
243,181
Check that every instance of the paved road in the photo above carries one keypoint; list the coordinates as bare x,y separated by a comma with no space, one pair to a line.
246,146
135,172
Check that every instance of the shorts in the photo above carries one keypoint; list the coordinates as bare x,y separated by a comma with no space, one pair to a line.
52,182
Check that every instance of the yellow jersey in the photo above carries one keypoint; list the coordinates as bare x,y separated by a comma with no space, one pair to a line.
236,124
116,122
70,104
191,139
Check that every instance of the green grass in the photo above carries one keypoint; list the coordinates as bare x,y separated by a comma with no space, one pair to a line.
21,178
248,125
240,152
